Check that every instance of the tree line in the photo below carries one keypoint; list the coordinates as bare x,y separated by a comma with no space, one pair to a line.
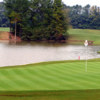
37,19
4,22
87,17
46,19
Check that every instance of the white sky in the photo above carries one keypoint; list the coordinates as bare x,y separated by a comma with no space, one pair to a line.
80,2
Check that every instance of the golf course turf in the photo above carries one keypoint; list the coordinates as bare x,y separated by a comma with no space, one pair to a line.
84,34
62,80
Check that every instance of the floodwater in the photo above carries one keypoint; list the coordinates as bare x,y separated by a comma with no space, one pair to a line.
26,53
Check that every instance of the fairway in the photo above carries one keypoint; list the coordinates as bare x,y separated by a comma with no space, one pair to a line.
85,34
62,80
51,76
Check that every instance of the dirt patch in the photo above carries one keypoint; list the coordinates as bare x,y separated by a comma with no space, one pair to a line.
4,35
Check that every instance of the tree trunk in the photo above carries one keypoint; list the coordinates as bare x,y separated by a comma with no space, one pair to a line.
15,30
10,33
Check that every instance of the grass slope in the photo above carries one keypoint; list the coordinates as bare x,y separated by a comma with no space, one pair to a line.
52,81
85,34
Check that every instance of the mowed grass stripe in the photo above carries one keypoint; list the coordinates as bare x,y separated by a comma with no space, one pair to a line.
61,79
59,73
92,67
77,67
43,81
13,80
67,68
20,79
87,81
64,69
81,67
58,82
39,79
27,80
57,76
77,79
5,81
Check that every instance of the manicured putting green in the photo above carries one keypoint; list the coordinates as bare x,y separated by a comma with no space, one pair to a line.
51,76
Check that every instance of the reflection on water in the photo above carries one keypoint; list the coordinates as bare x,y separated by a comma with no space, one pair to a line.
26,53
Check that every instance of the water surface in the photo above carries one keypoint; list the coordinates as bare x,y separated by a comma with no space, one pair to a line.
39,52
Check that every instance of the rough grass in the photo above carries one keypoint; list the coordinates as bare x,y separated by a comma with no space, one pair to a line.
65,80
85,34
6,29
52,95
98,52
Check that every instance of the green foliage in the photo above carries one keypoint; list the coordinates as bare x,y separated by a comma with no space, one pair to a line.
98,52
15,11
58,24
4,22
37,19
84,17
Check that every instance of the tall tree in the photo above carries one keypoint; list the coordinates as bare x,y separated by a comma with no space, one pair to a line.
39,19
59,23
17,9
15,17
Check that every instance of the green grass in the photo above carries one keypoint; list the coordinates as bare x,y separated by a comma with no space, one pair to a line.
6,29
98,52
54,76
65,80
85,34
76,34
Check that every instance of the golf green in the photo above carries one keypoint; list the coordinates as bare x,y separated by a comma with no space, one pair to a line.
64,75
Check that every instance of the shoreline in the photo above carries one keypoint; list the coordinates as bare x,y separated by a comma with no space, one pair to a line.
49,62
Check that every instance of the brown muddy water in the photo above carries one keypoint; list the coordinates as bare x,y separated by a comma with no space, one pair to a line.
26,53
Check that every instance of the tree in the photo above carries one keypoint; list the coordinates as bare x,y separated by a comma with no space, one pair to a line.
15,17
84,17
15,10
37,19
59,24
4,22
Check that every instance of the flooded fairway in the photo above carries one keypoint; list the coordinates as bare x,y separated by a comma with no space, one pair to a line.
27,53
